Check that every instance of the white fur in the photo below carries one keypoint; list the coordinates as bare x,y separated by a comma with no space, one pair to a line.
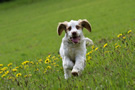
73,54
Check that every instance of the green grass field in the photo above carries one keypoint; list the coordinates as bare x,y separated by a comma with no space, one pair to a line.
29,44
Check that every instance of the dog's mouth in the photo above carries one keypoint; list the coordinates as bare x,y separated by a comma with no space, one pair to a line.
75,39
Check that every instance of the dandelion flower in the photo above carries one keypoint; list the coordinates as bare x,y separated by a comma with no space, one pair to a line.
3,75
129,31
7,72
96,49
118,46
47,61
53,57
89,57
1,72
40,60
119,35
56,65
32,62
10,64
14,70
16,67
105,45
9,78
124,37
25,62
93,46
48,67
4,68
18,74
49,56
1,65
25,76
45,71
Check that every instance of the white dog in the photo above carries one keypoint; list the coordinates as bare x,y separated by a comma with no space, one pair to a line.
73,46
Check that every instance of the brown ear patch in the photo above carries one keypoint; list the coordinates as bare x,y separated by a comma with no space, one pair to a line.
62,26
85,24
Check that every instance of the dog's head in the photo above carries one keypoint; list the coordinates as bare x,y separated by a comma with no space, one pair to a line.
73,29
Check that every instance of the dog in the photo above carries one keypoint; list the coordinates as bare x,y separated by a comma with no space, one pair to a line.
73,46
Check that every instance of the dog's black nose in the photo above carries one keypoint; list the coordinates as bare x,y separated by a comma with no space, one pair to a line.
74,33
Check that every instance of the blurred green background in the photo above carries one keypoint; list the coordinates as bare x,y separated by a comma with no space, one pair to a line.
28,27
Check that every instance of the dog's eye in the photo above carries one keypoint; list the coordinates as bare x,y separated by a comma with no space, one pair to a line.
77,27
69,28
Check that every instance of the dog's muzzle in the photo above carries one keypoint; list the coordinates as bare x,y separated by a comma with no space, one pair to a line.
75,38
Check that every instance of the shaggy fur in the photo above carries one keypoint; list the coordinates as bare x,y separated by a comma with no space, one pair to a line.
73,46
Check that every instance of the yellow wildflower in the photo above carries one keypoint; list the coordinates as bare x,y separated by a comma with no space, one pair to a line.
3,75
49,56
1,72
25,76
4,68
129,31
119,35
118,46
9,78
93,46
19,74
45,71
56,65
9,64
29,75
89,57
124,37
7,72
14,70
1,65
96,49
25,62
47,61
53,57
16,67
105,45
89,52
48,67
32,62
40,60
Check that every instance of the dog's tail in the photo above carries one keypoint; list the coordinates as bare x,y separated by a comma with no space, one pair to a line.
88,42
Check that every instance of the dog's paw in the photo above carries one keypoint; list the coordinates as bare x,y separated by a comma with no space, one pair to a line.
75,73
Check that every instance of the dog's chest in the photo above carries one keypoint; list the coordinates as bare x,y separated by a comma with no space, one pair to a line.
74,51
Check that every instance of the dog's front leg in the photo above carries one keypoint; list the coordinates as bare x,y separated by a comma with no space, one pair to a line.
79,66
67,66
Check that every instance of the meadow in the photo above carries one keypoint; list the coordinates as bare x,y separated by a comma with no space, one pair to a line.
29,44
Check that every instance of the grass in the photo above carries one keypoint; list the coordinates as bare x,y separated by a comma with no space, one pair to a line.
28,33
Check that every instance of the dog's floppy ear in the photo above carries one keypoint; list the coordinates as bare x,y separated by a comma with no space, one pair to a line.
84,23
62,26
